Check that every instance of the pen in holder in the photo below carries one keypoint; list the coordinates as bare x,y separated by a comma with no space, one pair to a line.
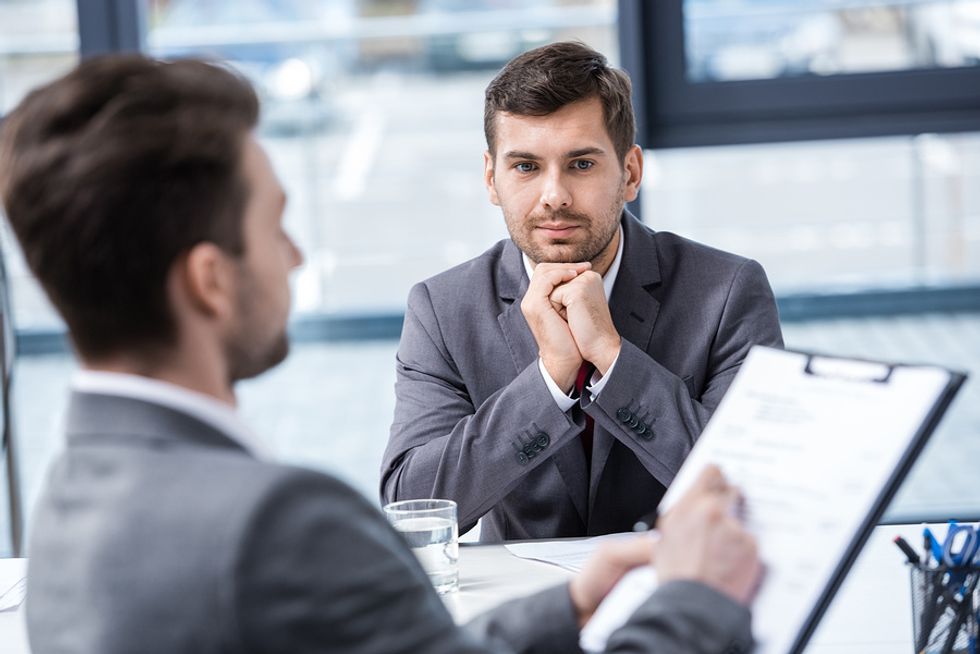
944,608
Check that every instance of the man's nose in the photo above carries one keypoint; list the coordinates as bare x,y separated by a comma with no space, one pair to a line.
555,194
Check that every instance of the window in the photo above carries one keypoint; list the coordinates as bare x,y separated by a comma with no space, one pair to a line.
373,116
38,42
734,71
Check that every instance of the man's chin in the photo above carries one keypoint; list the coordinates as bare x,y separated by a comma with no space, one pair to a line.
557,253
246,365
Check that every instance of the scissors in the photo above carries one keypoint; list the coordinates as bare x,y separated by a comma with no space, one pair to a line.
959,551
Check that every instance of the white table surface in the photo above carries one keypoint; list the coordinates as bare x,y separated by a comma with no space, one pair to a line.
871,613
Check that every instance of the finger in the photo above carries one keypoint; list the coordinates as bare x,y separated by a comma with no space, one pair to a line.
628,553
711,480
545,281
577,267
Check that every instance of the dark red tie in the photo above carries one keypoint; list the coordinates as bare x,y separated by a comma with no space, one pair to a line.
584,373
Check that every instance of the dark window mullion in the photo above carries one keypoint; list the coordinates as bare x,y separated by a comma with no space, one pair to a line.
106,26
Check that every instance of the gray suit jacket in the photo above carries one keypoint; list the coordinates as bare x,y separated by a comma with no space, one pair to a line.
475,422
157,533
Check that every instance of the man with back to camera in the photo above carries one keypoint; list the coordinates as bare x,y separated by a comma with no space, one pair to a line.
152,218
554,385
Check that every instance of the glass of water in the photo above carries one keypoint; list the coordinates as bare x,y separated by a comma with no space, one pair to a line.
430,528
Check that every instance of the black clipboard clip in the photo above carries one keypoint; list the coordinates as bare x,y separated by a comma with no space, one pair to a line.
875,371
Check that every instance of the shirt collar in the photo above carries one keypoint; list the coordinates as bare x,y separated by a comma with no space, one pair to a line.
197,405
608,280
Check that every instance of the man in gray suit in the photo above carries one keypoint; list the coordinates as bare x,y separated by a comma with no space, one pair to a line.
554,385
152,217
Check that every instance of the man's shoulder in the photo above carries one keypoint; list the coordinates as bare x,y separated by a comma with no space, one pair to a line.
188,482
673,248
479,267
471,283
259,481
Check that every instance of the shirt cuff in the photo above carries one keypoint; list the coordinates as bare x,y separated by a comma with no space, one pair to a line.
561,399
595,386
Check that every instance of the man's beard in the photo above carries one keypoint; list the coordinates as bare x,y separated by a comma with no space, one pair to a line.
251,350
247,360
558,250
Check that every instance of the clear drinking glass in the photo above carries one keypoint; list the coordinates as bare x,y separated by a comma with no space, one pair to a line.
430,528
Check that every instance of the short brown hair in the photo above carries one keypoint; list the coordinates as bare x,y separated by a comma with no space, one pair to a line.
542,81
111,173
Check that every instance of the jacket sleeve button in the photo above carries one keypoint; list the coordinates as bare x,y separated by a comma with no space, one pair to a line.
542,440
623,414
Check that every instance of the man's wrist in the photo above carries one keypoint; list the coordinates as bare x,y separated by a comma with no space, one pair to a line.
562,375
561,398
607,355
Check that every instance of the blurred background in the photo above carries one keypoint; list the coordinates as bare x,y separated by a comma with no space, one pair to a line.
835,141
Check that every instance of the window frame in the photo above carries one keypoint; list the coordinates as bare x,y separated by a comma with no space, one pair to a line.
675,112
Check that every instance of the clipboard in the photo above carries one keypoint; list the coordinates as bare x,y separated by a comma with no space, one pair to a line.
887,492
819,446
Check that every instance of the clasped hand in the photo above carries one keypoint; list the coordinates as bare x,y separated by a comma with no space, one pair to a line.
566,309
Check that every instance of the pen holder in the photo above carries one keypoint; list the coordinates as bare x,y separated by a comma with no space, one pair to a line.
944,609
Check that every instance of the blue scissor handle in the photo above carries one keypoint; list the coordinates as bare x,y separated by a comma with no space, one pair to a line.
960,554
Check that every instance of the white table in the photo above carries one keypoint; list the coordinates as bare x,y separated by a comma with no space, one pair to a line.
870,615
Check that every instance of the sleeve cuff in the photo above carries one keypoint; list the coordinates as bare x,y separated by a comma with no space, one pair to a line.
561,399
595,386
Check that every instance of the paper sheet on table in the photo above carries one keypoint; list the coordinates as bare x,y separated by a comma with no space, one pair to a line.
13,583
812,444
568,554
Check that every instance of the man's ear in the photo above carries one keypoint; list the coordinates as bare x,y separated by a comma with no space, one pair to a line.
633,172
206,279
488,177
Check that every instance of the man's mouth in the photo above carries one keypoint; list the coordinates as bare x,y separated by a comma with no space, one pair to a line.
558,230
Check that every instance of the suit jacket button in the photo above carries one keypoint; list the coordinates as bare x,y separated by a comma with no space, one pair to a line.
647,434
522,458
542,440
624,414
633,422
530,451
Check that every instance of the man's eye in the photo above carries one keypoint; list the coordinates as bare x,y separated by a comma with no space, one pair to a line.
582,164
525,167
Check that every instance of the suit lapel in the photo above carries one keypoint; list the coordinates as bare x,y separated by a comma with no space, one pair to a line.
512,284
634,312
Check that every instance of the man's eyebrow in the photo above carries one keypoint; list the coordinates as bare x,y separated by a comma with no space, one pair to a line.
572,154
517,154
583,152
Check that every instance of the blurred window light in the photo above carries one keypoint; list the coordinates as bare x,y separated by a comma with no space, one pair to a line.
729,40
372,112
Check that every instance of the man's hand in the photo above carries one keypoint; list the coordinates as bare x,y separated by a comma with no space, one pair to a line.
702,539
587,312
603,571
556,347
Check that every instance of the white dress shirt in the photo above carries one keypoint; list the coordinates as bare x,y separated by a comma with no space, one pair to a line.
598,381
205,408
